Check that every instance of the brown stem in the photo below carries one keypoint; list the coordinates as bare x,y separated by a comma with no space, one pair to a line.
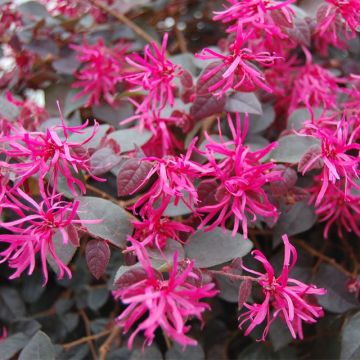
106,196
85,339
88,333
124,19
105,347
232,276
323,257
181,40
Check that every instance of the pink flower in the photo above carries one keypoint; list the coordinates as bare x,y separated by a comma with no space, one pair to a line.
34,230
336,20
175,179
238,69
154,229
241,177
101,72
335,153
289,298
46,154
265,14
313,85
154,74
31,115
339,206
156,301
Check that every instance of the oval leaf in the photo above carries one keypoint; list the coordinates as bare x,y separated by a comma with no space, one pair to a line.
216,247
132,174
243,103
97,255
244,292
129,139
292,148
350,339
40,347
116,224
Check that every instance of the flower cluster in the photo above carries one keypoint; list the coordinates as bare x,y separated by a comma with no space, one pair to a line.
101,71
50,157
165,302
289,299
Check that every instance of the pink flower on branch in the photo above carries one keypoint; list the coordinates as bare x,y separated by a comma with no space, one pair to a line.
34,230
339,206
47,154
270,16
154,74
239,68
101,72
155,301
289,298
242,177
336,153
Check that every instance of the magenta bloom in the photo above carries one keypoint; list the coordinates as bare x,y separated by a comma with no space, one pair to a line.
339,206
238,69
46,154
154,74
101,72
175,179
313,86
337,20
156,301
155,229
265,14
336,154
241,177
289,298
34,230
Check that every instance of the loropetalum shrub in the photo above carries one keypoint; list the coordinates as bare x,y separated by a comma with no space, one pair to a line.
147,147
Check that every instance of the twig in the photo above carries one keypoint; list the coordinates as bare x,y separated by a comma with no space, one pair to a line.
85,339
232,276
106,196
88,332
125,20
323,257
107,343
181,40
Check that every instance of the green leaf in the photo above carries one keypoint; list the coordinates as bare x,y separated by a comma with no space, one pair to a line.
291,148
115,225
350,339
129,139
40,347
216,247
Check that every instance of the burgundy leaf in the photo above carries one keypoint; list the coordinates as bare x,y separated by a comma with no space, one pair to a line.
308,157
128,275
206,192
73,235
97,254
103,160
288,181
300,33
244,292
186,79
132,174
206,105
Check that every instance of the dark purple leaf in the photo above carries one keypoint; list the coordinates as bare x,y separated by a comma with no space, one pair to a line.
206,192
186,79
97,255
8,110
301,32
115,225
103,160
310,155
288,181
244,292
128,275
66,65
206,105
132,174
